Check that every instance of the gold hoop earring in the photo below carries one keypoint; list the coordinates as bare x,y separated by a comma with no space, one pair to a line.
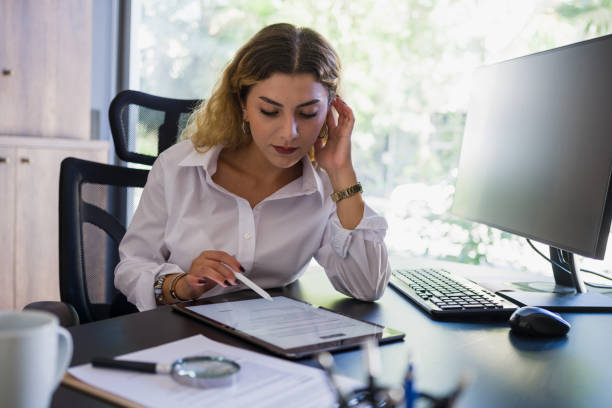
323,132
246,130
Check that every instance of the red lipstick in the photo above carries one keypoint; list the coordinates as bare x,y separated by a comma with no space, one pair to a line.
284,150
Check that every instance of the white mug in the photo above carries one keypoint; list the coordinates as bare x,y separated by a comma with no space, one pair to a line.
35,352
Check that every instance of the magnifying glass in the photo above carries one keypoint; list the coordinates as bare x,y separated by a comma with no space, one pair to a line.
197,371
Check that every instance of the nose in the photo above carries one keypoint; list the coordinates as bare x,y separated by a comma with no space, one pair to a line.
290,128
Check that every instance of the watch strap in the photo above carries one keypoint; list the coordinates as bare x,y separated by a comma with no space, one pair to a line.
346,193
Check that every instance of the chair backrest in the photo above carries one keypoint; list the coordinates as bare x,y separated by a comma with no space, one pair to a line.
90,231
145,125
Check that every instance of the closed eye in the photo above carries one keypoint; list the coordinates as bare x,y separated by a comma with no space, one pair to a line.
268,113
309,115
274,113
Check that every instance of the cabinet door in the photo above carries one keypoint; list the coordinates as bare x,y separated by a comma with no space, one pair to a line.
45,64
36,233
36,242
7,227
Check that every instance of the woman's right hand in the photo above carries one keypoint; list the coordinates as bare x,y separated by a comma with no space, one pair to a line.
208,269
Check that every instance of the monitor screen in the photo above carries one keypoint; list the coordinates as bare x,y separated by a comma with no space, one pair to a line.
536,157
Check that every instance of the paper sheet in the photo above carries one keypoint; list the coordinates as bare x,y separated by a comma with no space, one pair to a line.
263,381
285,322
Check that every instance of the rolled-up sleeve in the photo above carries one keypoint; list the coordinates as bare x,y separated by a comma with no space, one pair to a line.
142,251
356,261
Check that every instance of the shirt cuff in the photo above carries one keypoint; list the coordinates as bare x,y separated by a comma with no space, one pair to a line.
140,292
372,225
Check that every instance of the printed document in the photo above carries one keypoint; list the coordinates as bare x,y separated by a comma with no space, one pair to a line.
262,381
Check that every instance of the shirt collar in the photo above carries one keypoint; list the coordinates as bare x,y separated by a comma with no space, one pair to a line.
206,160
311,180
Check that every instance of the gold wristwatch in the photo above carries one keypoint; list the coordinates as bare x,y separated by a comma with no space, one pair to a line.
346,193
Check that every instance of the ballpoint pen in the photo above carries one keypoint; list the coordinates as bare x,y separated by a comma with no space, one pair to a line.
409,394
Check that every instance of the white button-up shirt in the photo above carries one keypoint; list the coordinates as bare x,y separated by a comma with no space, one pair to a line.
183,212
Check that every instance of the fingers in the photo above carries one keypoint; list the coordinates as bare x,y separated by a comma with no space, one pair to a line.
330,120
216,266
224,257
346,118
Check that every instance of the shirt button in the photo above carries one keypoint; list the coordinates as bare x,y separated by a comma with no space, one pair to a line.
246,235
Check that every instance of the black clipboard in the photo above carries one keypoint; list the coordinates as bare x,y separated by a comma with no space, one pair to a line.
338,332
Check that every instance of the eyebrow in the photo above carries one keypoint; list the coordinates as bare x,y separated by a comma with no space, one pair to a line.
271,102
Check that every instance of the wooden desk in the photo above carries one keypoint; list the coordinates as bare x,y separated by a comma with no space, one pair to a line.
506,371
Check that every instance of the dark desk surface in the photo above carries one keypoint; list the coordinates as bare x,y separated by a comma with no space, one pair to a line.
506,371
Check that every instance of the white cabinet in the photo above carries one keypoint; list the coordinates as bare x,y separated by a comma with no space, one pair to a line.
45,93
7,227
29,181
45,68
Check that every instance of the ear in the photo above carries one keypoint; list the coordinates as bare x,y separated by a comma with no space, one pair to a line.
243,109
245,116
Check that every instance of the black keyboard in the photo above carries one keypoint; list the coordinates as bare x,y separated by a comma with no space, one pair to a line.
445,296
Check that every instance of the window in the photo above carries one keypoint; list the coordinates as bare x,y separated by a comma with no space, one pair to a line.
407,68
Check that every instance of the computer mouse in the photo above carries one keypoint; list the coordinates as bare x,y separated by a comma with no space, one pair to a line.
538,322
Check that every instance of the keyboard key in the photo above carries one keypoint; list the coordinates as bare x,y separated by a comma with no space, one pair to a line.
450,307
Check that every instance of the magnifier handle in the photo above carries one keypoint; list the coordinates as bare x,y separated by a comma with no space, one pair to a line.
141,366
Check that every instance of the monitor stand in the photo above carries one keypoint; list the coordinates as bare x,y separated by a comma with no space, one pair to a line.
569,293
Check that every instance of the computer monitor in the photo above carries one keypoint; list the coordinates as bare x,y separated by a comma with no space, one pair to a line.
536,160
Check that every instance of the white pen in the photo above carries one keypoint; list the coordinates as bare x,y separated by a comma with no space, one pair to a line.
253,286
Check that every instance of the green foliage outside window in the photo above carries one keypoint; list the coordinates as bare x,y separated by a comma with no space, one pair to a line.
407,67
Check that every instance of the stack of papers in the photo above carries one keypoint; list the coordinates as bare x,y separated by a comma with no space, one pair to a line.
263,381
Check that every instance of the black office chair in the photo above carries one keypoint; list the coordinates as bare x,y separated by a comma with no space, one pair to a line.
93,199
145,125
89,234
88,256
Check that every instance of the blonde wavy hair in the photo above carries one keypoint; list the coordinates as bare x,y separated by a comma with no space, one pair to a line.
278,48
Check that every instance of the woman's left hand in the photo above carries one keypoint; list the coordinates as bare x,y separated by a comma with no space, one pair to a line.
335,156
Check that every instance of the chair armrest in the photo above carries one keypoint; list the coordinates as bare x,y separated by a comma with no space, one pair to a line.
65,312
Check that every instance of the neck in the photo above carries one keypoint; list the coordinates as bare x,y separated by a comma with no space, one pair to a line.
249,161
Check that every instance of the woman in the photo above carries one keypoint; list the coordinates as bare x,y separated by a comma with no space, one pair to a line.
264,183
